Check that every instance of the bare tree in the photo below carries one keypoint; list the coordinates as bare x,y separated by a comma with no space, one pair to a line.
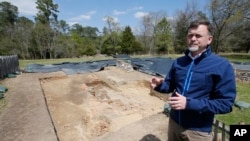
149,23
147,32
111,36
228,17
23,29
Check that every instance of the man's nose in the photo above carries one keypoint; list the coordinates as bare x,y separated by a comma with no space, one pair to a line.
193,37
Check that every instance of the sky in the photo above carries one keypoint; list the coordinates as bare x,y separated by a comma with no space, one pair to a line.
92,12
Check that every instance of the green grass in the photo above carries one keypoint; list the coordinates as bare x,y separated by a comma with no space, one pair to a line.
238,60
238,115
237,57
3,103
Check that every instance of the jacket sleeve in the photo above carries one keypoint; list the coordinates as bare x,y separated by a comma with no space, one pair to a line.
223,98
168,84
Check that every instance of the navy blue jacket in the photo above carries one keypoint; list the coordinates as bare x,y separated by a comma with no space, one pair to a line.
208,83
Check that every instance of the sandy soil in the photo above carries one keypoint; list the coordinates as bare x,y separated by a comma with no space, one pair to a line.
108,105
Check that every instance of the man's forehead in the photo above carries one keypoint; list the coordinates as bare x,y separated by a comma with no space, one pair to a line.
198,29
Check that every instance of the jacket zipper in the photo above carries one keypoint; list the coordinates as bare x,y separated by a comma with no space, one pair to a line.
187,85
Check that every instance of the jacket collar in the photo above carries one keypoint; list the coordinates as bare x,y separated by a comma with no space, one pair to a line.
204,54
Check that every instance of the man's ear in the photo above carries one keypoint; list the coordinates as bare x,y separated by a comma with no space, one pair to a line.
210,39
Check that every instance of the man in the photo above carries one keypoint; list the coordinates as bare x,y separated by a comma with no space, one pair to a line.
203,84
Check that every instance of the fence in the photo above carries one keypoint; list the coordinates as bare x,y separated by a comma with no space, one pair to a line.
8,65
221,131
243,75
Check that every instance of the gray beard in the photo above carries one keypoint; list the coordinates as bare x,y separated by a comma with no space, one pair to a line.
193,48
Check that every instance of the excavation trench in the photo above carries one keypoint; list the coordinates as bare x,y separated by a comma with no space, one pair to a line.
101,105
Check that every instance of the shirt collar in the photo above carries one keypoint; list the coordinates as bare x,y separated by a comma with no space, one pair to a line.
193,58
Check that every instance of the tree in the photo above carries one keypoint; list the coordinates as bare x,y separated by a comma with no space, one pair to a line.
147,33
180,32
149,23
244,42
47,11
62,27
84,39
127,41
8,17
89,32
8,13
23,29
228,17
163,37
43,37
107,47
111,36
240,40
46,36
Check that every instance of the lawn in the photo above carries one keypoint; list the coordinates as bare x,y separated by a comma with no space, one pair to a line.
238,115
3,103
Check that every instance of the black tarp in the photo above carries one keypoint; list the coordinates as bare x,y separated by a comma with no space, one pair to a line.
154,66
70,68
241,65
